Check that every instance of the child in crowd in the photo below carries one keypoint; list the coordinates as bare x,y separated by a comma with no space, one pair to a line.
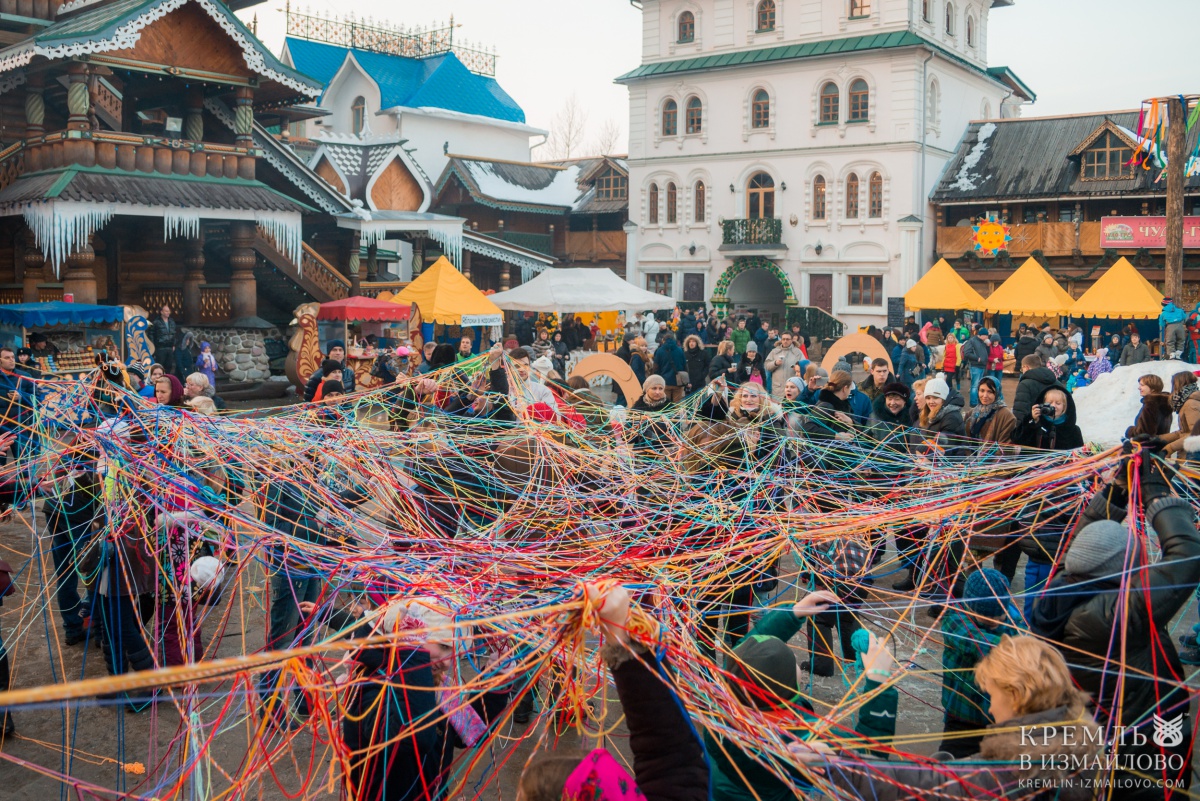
968,635
207,363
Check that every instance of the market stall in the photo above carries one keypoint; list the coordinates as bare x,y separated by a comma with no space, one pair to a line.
446,305
1120,297
942,289
76,334
1030,294
357,318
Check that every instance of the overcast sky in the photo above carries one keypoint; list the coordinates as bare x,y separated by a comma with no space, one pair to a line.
1077,55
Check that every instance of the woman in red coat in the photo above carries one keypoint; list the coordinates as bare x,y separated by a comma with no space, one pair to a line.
995,362
950,361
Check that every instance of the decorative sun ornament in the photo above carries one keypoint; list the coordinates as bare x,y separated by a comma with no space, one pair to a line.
990,236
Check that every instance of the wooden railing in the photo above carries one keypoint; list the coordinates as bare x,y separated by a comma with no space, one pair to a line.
539,243
1052,239
215,304
324,274
595,246
134,152
372,289
316,276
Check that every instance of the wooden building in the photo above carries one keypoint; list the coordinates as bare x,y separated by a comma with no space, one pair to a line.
1064,187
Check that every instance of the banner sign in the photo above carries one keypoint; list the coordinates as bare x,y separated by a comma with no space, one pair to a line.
482,319
1145,232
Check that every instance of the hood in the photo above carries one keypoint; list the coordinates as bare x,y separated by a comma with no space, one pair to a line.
1041,398
879,407
955,400
1042,375
767,664
649,317
692,338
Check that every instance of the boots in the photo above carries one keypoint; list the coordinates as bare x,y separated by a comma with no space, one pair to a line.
908,584
7,728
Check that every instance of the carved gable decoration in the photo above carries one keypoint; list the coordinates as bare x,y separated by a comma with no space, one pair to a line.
329,174
396,189
190,39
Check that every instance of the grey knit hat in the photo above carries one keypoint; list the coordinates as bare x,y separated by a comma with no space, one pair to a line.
752,346
1099,550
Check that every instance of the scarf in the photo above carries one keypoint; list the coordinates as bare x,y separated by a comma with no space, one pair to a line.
599,777
1180,396
980,415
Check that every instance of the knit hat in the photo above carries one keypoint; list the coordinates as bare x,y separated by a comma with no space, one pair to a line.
334,343
766,663
896,388
912,343
798,382
752,346
1099,550
543,365
1060,359
204,345
937,387
985,592
402,351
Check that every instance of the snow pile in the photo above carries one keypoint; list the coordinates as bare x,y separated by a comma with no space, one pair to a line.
964,181
1110,405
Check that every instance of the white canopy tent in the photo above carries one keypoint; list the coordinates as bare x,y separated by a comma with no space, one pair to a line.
580,289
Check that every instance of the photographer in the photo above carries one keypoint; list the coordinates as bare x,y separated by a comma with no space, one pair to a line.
1050,424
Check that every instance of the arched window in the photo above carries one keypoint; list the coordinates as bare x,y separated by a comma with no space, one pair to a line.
670,120
829,103
695,114
818,209
950,19
931,105
860,101
875,197
698,203
760,110
358,114
970,31
687,27
852,197
672,203
987,110
652,202
760,196
927,10
766,16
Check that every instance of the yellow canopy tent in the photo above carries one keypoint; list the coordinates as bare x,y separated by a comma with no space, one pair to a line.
942,288
1030,292
1122,293
444,295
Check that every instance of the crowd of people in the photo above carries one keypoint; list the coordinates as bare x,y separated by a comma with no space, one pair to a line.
1029,689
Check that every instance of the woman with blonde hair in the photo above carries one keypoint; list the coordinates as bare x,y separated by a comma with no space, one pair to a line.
1043,738
723,365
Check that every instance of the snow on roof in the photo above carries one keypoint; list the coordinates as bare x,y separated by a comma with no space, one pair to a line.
557,187
964,181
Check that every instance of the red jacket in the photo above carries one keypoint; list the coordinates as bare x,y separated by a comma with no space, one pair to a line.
950,362
995,357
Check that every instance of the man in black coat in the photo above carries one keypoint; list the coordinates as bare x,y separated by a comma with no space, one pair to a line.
1036,378
1108,612
164,333
1026,344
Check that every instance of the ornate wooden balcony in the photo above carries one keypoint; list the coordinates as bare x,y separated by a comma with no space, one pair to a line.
752,235
1051,238
133,153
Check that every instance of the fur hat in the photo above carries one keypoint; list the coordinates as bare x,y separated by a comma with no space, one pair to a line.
896,388
1099,550
937,387
985,593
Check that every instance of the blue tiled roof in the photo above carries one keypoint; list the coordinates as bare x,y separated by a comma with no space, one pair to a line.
438,82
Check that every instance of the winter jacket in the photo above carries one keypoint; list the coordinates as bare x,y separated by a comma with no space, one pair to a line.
721,367
995,357
637,363
1154,418
1026,345
1031,386
669,361
1009,763
1189,417
997,427
934,337
1080,617
867,386
698,360
860,406
737,776
780,373
949,420
747,368
316,379
1047,352
890,430
739,337
767,430
653,432
1170,314
1135,354
822,423
950,358
1044,434
908,369
541,347
975,353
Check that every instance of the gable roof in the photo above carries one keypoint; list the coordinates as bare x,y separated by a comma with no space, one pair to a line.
440,81
825,47
118,25
514,186
1032,158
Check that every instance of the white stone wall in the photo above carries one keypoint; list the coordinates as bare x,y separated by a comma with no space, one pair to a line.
241,352
795,147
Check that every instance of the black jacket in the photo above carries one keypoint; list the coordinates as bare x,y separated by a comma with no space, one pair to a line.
1033,383
669,361
1080,617
822,422
668,760
974,352
315,380
719,368
698,362
1044,434
770,421
1025,346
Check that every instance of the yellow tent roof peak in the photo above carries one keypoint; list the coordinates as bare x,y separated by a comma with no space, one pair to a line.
444,295
1122,293
942,288
1030,291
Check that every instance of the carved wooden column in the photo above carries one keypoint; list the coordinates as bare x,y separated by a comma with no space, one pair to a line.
193,124
243,129
193,279
505,276
80,279
243,289
418,259
34,273
355,268
35,120
466,264
78,150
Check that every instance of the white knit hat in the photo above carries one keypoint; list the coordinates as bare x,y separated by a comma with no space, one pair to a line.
937,387
910,344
